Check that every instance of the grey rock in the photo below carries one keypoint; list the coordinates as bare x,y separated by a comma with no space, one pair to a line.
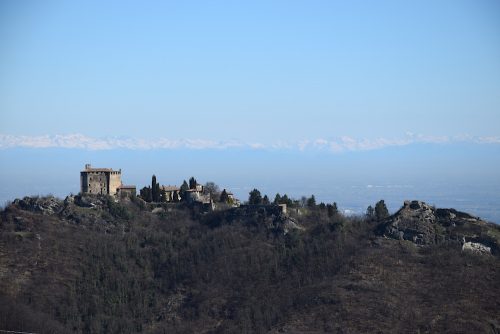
47,205
424,224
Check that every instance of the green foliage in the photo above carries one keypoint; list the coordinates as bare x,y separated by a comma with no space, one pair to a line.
138,201
192,183
176,197
155,190
117,210
163,196
332,209
255,197
370,212
146,194
381,211
183,188
224,197
154,194
283,200
277,199
311,202
265,200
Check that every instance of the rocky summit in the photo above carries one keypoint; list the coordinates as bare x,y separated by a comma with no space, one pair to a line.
424,224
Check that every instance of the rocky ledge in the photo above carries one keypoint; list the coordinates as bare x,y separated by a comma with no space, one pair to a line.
424,224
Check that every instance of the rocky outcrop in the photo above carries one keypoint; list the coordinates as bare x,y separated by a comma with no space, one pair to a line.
47,205
92,201
424,224
415,221
476,247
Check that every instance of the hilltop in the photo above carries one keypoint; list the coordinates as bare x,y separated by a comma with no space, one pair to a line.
90,264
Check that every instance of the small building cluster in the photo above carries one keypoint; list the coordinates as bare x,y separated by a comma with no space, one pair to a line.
106,181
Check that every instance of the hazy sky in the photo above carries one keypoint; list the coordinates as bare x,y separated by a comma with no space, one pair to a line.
353,101
253,71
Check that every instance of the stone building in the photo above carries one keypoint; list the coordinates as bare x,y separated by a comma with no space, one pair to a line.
104,181
197,195
171,193
126,191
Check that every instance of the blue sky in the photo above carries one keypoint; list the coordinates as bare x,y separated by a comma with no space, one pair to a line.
289,96
254,71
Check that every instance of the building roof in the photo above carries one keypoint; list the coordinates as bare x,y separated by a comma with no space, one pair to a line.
126,187
169,188
98,170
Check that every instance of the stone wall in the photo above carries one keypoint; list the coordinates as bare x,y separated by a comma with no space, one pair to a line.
94,182
115,180
100,182
124,192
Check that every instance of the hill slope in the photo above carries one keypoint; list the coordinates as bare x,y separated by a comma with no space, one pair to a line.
94,265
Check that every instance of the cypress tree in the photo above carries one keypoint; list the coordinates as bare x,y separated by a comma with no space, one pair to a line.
192,183
153,188
224,198
182,190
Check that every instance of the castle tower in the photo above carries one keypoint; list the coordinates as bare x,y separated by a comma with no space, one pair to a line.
104,181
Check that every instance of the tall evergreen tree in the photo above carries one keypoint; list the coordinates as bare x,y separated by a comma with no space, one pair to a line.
183,189
332,209
224,197
370,212
158,193
311,202
381,211
192,183
255,197
286,200
277,199
153,188
265,200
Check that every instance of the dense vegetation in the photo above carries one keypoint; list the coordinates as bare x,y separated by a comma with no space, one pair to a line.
119,268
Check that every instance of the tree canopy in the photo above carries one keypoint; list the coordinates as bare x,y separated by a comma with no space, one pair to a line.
381,211
255,197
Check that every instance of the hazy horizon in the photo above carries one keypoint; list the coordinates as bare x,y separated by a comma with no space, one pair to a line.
445,175
350,101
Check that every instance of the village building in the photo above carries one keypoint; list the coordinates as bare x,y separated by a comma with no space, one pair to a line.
230,196
103,181
197,195
126,191
171,193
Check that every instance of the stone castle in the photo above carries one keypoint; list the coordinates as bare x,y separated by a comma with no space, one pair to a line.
104,181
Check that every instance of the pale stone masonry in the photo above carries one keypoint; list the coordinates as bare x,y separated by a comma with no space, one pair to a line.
105,181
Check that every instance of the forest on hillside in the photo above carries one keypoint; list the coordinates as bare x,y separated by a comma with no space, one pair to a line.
121,268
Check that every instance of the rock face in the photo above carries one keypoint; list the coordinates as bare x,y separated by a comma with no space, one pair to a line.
415,221
424,224
476,247
47,205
